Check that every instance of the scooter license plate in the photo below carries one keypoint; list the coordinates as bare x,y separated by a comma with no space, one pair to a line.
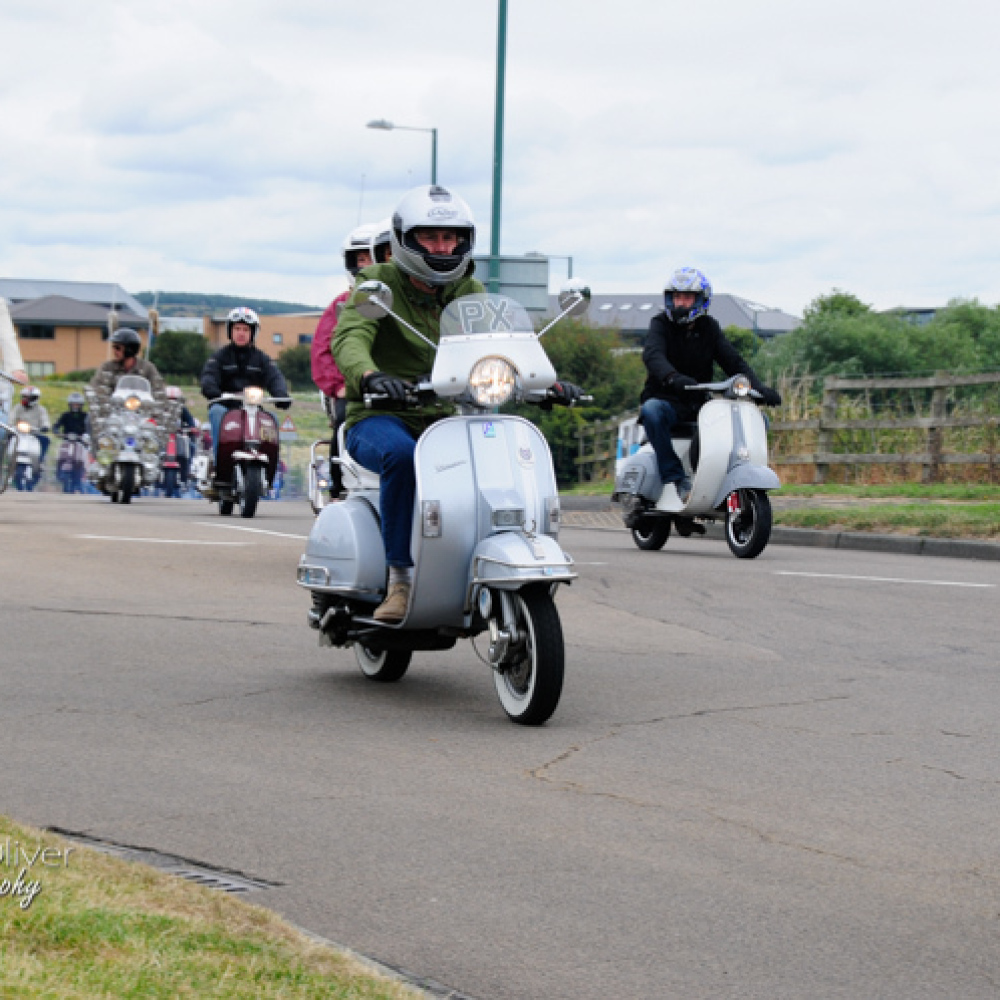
733,503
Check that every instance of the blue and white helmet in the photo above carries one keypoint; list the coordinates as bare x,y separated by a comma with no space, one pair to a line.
687,279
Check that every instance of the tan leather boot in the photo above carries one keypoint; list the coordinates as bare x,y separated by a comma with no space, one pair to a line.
393,608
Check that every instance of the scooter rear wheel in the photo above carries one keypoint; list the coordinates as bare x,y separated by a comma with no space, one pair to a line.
652,533
749,530
386,666
529,681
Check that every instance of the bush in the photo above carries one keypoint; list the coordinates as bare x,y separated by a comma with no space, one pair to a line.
296,365
180,353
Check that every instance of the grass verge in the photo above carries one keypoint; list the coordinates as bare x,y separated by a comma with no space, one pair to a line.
925,520
85,925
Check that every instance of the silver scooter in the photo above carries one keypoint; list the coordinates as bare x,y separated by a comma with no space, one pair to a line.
486,518
725,454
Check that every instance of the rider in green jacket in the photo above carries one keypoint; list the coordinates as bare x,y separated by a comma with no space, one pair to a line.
432,239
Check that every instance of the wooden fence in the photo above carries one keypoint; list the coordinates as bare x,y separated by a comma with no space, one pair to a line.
917,425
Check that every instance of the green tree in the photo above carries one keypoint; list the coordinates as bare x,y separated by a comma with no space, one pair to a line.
179,353
296,365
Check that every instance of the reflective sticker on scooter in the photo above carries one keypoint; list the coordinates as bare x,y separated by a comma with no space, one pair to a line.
489,431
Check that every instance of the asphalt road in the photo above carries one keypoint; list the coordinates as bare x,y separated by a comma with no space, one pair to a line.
773,778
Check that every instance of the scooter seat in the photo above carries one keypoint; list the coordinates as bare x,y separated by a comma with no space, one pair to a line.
355,475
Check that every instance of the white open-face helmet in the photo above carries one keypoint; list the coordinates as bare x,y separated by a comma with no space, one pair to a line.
432,207
243,314
357,240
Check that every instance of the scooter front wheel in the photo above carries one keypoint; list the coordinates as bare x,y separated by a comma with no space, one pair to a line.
748,522
529,679
386,666
652,533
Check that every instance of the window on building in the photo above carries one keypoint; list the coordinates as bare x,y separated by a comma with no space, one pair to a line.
278,338
305,338
36,331
39,369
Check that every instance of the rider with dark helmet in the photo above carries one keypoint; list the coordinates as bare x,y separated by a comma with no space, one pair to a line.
125,347
682,345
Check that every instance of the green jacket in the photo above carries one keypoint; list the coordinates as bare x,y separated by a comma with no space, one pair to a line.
361,345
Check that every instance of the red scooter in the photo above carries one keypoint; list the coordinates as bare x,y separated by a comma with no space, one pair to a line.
247,459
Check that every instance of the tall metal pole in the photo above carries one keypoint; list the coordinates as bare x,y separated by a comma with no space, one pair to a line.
494,280
434,156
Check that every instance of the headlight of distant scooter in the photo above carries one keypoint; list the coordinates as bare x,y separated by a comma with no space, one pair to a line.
133,403
23,427
492,381
107,449
741,386
254,395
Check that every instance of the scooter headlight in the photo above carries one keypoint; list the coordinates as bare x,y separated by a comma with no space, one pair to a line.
492,381
254,395
133,403
741,386
23,427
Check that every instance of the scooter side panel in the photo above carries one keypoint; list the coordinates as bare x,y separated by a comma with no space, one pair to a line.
445,475
345,540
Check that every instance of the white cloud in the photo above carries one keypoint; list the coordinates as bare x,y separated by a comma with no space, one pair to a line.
784,148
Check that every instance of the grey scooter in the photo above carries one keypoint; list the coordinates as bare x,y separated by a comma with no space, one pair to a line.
486,516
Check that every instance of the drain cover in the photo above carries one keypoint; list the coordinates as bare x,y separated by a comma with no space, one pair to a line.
211,878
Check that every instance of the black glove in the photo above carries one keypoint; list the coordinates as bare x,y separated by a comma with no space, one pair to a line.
385,385
770,397
679,381
565,393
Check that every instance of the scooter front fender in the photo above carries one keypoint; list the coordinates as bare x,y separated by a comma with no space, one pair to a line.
511,559
747,477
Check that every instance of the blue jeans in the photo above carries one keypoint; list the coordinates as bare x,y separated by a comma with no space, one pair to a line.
385,445
659,418
216,411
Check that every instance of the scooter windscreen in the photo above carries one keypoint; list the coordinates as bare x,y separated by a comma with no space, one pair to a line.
479,333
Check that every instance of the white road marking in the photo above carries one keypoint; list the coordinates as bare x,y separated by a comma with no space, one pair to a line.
256,531
156,541
885,579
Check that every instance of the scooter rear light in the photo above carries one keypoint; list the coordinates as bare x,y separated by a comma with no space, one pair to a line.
313,576
431,519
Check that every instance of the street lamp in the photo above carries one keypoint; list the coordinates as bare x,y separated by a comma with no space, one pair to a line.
387,126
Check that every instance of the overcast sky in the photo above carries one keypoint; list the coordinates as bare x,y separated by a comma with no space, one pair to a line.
786,148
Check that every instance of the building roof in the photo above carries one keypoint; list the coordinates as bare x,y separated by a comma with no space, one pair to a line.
105,294
59,310
631,313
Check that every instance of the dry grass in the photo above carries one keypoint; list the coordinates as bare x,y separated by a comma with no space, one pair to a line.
103,927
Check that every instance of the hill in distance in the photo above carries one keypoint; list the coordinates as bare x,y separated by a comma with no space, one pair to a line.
200,304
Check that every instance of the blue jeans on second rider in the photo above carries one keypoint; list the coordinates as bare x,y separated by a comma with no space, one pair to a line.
659,418
385,445
216,411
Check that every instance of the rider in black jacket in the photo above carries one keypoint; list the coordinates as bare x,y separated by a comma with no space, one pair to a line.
238,365
682,344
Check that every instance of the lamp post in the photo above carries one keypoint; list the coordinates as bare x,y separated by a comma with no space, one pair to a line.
387,126
494,277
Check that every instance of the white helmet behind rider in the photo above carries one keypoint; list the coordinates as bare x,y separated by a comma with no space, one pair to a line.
382,241
358,240
432,207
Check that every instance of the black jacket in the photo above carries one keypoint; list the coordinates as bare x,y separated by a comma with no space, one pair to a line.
688,349
72,422
232,369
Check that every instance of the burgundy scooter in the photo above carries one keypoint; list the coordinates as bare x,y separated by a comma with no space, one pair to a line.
247,454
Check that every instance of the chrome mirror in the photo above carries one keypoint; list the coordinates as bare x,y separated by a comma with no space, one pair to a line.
574,297
373,299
